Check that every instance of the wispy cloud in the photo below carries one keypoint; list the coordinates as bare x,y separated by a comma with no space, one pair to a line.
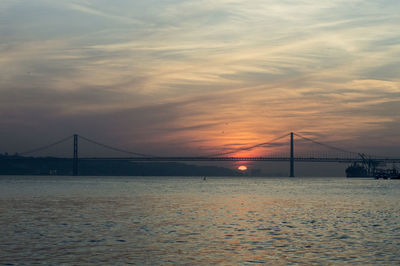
217,72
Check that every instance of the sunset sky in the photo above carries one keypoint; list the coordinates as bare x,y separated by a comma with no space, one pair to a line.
174,77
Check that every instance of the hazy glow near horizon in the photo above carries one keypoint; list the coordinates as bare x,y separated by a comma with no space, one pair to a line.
185,77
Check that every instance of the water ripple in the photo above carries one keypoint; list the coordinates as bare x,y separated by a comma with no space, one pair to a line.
172,221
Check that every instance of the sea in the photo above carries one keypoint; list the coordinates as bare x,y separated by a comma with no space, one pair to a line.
58,220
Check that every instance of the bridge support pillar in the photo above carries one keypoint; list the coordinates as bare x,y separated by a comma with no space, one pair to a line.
75,158
291,155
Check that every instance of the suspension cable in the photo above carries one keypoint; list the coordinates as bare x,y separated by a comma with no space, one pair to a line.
47,146
114,148
250,147
326,145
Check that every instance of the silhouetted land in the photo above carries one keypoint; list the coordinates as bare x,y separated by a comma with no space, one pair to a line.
17,165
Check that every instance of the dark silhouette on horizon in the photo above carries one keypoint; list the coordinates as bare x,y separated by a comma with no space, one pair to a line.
144,164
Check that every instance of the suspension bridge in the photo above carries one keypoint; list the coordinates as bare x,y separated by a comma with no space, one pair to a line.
340,155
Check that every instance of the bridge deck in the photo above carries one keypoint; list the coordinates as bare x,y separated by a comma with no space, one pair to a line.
235,159
210,159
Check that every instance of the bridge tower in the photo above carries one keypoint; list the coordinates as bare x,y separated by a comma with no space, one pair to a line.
291,155
75,158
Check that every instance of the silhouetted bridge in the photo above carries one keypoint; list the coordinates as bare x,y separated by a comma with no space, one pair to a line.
347,157
235,159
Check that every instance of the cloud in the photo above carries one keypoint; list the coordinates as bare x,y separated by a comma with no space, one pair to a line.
192,76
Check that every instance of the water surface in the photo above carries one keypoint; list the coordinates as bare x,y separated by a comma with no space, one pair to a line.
154,220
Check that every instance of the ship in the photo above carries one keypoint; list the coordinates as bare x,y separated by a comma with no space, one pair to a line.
364,168
387,174
356,170
368,167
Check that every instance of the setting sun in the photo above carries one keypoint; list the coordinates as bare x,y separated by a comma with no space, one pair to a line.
242,168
